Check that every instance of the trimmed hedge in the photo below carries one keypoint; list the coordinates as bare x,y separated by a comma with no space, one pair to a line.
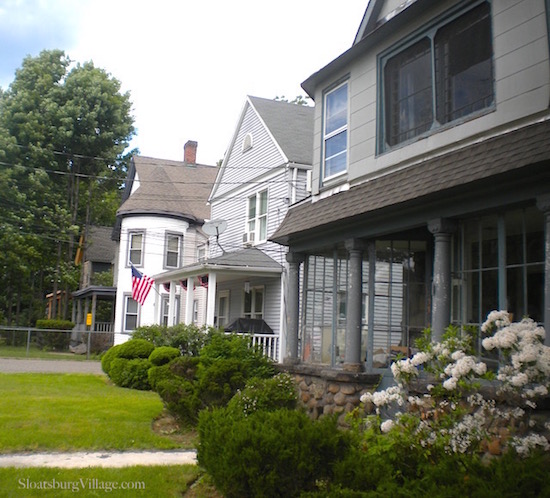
163,354
280,453
130,373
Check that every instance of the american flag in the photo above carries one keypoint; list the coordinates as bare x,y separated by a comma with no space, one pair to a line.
141,285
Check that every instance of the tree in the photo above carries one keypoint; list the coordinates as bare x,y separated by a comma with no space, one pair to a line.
63,131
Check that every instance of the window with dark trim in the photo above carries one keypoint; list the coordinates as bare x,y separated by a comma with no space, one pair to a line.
130,314
443,75
173,250
135,248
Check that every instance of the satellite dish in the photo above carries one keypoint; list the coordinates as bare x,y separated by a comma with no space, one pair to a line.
214,227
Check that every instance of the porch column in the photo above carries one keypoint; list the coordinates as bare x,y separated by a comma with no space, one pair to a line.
189,300
293,307
543,203
171,305
371,249
442,230
352,358
211,299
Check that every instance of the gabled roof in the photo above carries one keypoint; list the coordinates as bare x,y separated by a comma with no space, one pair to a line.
482,161
289,125
168,188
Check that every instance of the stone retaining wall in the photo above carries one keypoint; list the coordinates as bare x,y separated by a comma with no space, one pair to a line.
324,391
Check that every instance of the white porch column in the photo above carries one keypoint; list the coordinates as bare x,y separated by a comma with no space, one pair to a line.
189,301
211,299
172,305
543,203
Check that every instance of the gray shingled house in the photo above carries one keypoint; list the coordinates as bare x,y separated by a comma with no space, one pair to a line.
430,184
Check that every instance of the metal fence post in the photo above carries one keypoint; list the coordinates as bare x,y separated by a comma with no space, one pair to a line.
28,341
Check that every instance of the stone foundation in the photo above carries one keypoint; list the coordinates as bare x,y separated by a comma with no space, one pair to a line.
326,391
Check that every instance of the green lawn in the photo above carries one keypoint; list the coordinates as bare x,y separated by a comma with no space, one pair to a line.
70,412
7,351
166,481
64,412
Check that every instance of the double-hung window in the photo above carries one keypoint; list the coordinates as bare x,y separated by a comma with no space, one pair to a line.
172,250
130,314
256,224
135,248
443,74
335,132
254,303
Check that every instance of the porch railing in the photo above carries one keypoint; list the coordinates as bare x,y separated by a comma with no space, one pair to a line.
269,343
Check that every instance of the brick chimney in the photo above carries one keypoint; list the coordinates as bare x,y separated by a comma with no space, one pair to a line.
190,152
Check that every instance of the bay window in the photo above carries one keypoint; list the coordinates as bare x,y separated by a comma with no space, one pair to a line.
443,74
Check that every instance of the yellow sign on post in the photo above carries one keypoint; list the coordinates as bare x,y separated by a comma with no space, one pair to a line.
89,319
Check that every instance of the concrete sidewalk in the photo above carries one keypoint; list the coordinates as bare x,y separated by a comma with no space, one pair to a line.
34,365
84,459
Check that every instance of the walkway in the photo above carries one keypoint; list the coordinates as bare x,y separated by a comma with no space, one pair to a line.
84,459
34,365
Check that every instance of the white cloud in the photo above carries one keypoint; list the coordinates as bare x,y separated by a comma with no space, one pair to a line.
190,65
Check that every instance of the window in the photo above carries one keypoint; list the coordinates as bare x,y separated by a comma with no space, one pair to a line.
130,314
223,308
442,76
254,303
201,253
247,142
135,248
165,309
257,216
499,264
335,134
173,249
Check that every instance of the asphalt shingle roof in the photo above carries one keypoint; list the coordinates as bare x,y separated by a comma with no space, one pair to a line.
291,126
504,153
171,188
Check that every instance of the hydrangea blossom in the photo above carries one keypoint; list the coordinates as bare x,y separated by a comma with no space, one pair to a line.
524,368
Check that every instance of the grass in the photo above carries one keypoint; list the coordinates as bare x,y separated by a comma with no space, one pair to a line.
7,351
165,481
70,412
64,412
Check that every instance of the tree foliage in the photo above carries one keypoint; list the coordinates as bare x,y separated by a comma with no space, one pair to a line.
63,130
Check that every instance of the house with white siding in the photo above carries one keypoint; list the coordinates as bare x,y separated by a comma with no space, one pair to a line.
430,182
159,228
264,171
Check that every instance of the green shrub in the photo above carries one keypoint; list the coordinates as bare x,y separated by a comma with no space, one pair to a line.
54,324
267,454
135,348
163,355
155,334
56,341
132,349
266,394
131,373
108,357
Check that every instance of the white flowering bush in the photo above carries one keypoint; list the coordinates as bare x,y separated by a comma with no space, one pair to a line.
453,416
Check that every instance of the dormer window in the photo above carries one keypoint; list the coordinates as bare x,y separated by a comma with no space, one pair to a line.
247,142
442,75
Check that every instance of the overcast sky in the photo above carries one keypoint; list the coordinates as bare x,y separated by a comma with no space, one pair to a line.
188,65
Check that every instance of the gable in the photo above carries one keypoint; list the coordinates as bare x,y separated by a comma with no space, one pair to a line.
269,135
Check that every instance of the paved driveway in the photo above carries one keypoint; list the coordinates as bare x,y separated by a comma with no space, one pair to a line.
33,365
